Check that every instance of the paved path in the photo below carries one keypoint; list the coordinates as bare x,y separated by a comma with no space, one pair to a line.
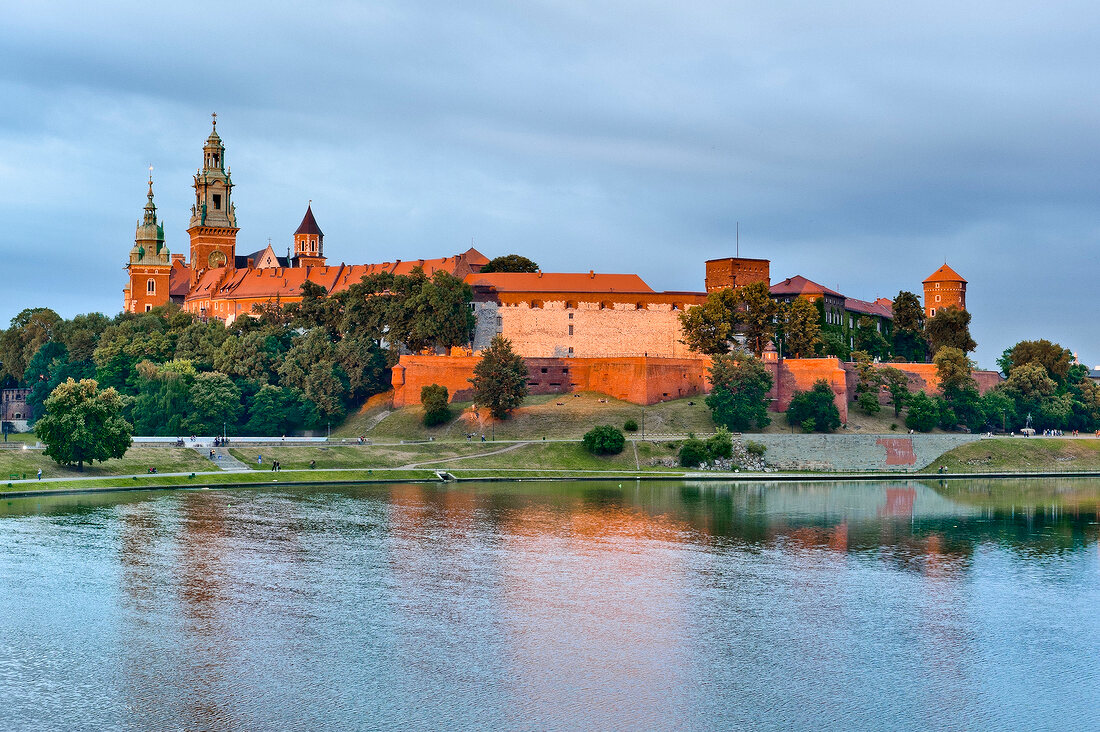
223,459
511,447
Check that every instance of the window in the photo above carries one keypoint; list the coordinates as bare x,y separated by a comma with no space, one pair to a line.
570,329
937,298
217,201
148,308
570,316
933,312
570,350
151,286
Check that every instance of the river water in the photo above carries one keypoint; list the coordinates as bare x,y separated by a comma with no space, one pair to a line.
688,606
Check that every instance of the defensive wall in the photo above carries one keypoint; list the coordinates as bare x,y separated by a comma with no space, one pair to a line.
848,452
640,380
561,325
649,380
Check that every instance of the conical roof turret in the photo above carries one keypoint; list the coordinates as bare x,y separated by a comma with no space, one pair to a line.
309,224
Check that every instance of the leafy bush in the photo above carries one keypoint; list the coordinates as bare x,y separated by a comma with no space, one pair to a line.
868,403
755,448
630,426
720,445
693,452
923,413
604,440
436,408
814,409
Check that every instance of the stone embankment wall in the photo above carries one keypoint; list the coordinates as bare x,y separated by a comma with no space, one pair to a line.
900,453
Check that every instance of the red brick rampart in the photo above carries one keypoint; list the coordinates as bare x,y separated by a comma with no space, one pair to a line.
645,380
640,380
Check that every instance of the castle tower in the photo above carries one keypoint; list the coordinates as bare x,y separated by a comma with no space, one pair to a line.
309,242
150,264
944,288
734,272
213,226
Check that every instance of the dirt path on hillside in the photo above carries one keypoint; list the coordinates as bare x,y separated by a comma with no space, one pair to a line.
464,457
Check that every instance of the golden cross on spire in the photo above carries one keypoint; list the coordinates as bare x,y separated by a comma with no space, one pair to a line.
214,116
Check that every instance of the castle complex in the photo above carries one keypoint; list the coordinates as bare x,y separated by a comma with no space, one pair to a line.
578,331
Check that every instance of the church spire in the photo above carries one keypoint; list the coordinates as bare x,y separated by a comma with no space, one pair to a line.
150,207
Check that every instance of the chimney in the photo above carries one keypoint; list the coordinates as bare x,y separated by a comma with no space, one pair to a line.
591,274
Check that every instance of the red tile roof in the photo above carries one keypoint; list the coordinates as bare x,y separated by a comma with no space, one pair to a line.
179,279
876,308
274,282
945,274
559,282
799,285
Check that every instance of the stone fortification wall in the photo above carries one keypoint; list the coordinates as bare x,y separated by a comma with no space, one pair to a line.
563,328
799,374
845,452
922,377
638,380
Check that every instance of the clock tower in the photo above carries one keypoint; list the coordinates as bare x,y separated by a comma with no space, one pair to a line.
213,226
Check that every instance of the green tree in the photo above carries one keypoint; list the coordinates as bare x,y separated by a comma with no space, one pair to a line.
435,400
500,378
275,411
756,315
897,383
801,328
909,340
923,414
604,440
814,409
869,339
510,263
164,398
739,388
311,367
29,330
215,401
953,369
949,327
1053,357
999,410
708,328
83,424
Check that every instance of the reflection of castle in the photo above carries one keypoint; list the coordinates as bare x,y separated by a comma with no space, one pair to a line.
610,333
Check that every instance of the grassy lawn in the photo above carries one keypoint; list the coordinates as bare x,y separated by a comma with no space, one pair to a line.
356,456
554,416
563,456
137,460
1022,454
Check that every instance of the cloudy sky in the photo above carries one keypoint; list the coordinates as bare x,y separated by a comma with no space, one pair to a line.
857,143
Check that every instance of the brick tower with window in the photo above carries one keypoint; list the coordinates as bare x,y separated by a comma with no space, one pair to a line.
213,227
309,242
944,288
150,265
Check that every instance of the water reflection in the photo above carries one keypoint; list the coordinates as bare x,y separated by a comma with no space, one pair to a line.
696,605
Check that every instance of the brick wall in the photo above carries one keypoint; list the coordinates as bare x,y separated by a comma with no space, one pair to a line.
638,379
584,329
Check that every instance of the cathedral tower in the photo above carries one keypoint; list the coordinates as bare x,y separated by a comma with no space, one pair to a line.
944,288
150,264
213,226
309,242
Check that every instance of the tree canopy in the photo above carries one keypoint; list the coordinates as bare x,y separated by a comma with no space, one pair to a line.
738,397
500,378
84,424
510,263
